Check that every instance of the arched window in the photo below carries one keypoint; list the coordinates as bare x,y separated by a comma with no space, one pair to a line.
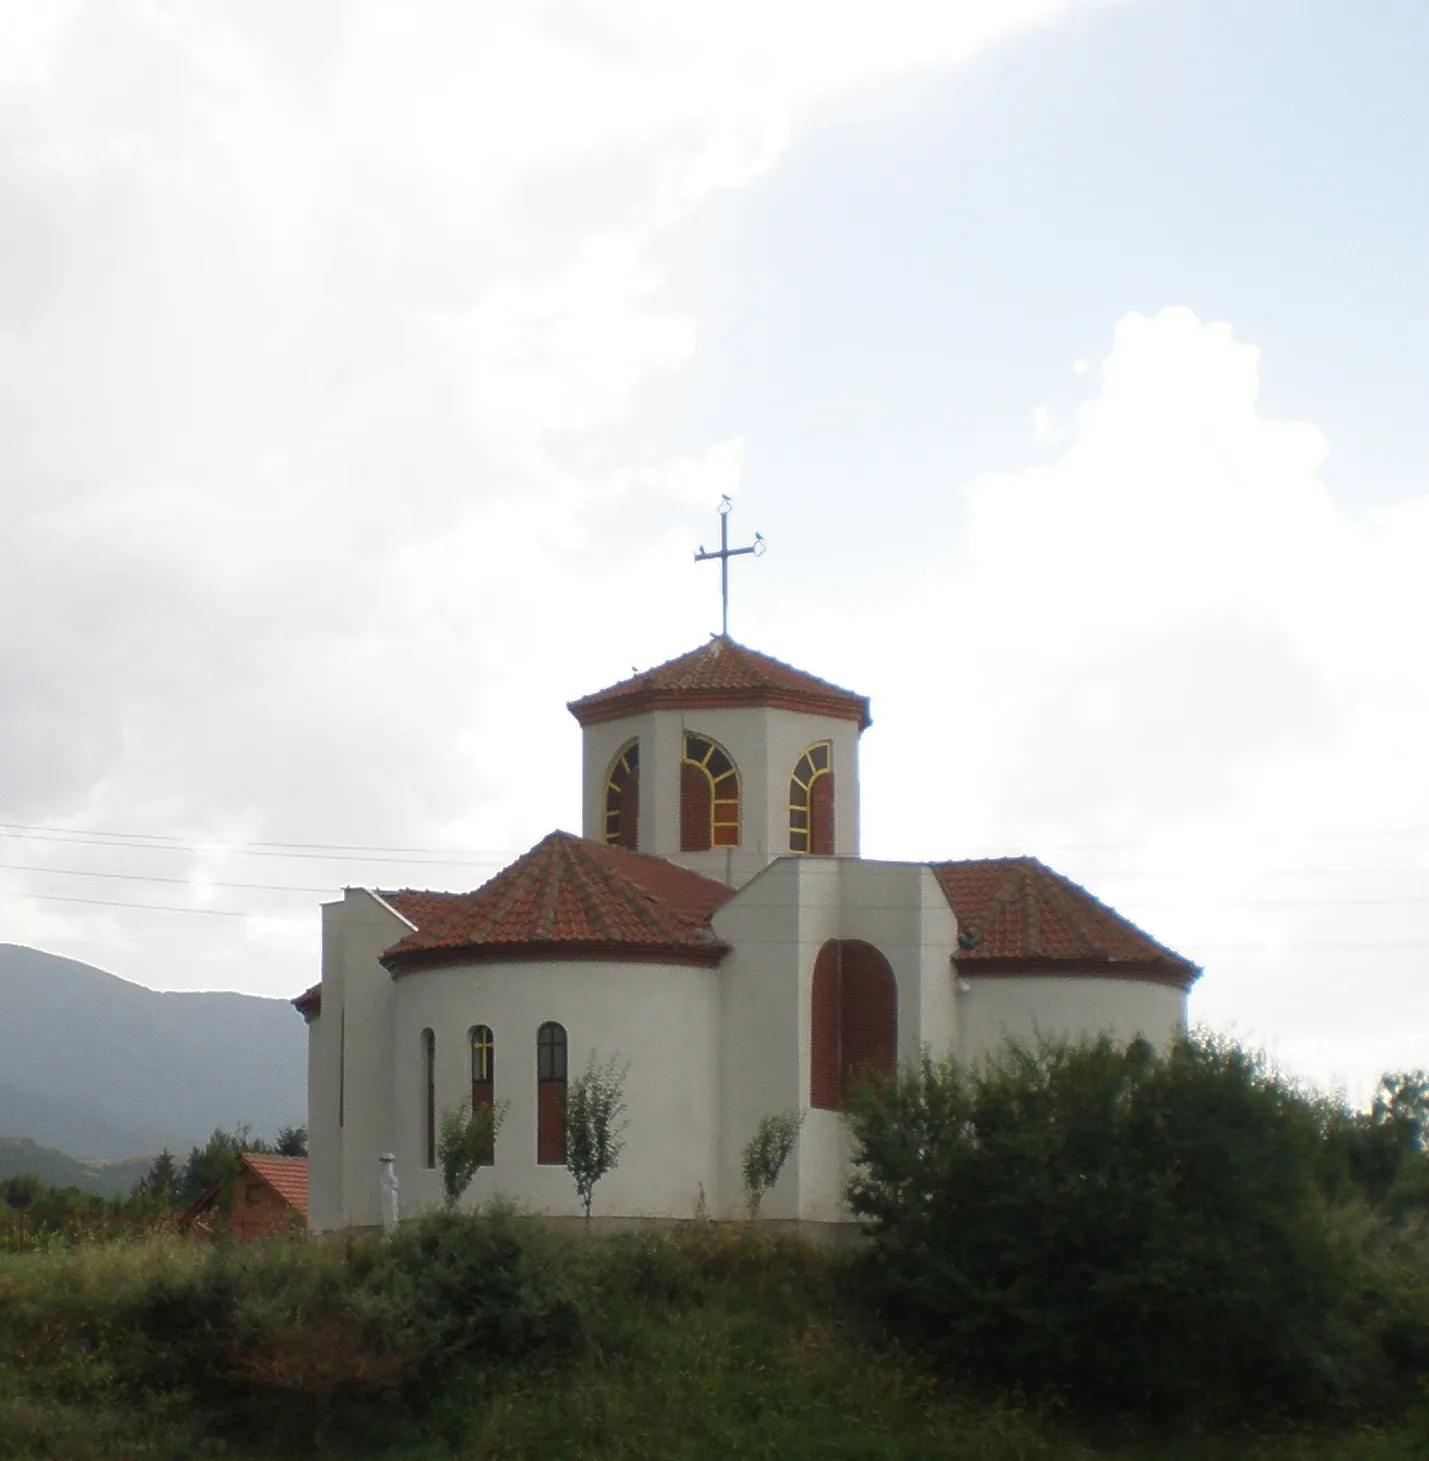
429,1099
853,1026
709,796
622,797
551,1095
811,802
483,1080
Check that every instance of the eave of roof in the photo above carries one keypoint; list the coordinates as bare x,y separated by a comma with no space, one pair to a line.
721,674
309,1003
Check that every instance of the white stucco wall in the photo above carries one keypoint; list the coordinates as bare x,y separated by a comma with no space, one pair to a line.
661,1019
357,1015
994,1008
765,744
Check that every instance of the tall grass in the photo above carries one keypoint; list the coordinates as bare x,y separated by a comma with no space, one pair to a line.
491,1337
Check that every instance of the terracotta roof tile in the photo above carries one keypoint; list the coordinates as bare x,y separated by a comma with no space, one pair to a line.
721,673
287,1176
1016,913
567,898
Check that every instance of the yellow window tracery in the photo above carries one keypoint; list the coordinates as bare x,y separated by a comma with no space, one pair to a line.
716,763
813,764
627,763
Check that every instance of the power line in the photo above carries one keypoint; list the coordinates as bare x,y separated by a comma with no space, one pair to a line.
24,829
71,872
239,850
165,907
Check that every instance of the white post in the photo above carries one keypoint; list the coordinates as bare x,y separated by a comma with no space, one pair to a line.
391,1201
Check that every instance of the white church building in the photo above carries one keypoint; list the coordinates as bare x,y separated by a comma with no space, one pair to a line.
715,929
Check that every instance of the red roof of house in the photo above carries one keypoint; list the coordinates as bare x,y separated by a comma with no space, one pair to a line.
568,898
287,1176
721,673
1016,915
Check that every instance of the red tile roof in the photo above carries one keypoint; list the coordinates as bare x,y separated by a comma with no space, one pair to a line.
721,673
287,1176
568,898
1016,915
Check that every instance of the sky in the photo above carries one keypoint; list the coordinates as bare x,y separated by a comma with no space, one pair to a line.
370,372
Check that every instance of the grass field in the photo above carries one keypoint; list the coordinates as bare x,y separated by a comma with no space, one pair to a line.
712,1343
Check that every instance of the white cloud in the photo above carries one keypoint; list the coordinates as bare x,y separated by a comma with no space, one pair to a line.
1172,665
313,322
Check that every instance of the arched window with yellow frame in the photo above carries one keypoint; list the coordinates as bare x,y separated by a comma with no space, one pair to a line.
622,797
811,802
709,796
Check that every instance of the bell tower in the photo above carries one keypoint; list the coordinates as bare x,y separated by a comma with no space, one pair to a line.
721,761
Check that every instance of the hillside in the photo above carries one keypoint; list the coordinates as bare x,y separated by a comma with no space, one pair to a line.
101,1068
20,1156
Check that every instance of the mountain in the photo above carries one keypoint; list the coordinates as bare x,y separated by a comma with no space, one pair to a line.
99,1067
55,1169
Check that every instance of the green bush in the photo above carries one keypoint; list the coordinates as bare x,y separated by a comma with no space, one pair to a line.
295,1335
1146,1232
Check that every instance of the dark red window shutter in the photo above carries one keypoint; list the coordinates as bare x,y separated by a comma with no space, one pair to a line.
551,1123
824,1082
821,815
629,811
696,808
869,1015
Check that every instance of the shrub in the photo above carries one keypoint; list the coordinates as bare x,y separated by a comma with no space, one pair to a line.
467,1140
764,1157
1149,1232
595,1110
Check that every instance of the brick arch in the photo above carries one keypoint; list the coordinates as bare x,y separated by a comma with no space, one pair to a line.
853,1027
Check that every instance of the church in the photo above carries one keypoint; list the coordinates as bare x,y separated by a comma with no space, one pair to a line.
715,930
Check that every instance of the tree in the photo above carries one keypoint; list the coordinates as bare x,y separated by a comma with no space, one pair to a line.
595,1119
217,1164
769,1148
158,1186
1141,1229
292,1141
466,1141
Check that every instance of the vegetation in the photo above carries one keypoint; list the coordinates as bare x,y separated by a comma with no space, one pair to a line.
595,1119
486,1336
1089,1254
54,1212
1177,1236
768,1149
466,1140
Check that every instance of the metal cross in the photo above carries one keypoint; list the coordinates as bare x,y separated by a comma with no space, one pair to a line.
724,555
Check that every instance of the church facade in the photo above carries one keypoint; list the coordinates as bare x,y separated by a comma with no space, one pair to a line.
716,932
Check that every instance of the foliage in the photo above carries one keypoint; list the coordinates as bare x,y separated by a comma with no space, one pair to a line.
768,1149
1384,1152
487,1336
1140,1231
292,1141
595,1112
466,1140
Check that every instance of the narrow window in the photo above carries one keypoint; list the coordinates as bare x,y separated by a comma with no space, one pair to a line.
429,1098
811,802
853,1026
622,797
709,796
551,1095
483,1081
341,1068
